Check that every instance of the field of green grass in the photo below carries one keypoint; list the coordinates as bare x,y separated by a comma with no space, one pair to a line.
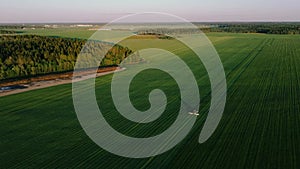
81,33
260,127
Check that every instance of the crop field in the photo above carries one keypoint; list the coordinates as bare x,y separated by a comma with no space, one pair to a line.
260,127
81,33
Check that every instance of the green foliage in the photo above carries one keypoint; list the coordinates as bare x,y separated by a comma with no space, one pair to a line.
266,28
9,31
29,55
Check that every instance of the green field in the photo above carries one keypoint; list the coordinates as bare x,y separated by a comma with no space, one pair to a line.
260,127
81,33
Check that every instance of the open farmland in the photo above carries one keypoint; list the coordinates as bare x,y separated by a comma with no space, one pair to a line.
260,127
81,33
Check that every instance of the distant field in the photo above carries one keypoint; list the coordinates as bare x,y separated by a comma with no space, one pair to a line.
82,33
260,127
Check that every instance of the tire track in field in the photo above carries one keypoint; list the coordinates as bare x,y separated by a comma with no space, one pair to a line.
243,65
232,124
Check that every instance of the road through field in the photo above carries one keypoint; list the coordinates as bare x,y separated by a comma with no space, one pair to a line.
56,82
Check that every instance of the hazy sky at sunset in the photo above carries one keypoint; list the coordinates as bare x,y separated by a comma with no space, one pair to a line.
22,11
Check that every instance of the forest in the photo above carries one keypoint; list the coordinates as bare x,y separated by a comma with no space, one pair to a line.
9,31
266,28
263,28
31,55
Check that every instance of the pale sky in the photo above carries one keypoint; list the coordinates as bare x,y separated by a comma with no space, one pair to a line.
34,11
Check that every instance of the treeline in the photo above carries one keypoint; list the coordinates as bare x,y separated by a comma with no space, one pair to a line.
167,31
160,35
266,28
30,55
9,32
21,26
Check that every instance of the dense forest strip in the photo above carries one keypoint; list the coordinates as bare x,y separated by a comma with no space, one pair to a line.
265,28
31,55
9,31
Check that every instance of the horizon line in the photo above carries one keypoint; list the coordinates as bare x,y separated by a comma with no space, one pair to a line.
209,21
